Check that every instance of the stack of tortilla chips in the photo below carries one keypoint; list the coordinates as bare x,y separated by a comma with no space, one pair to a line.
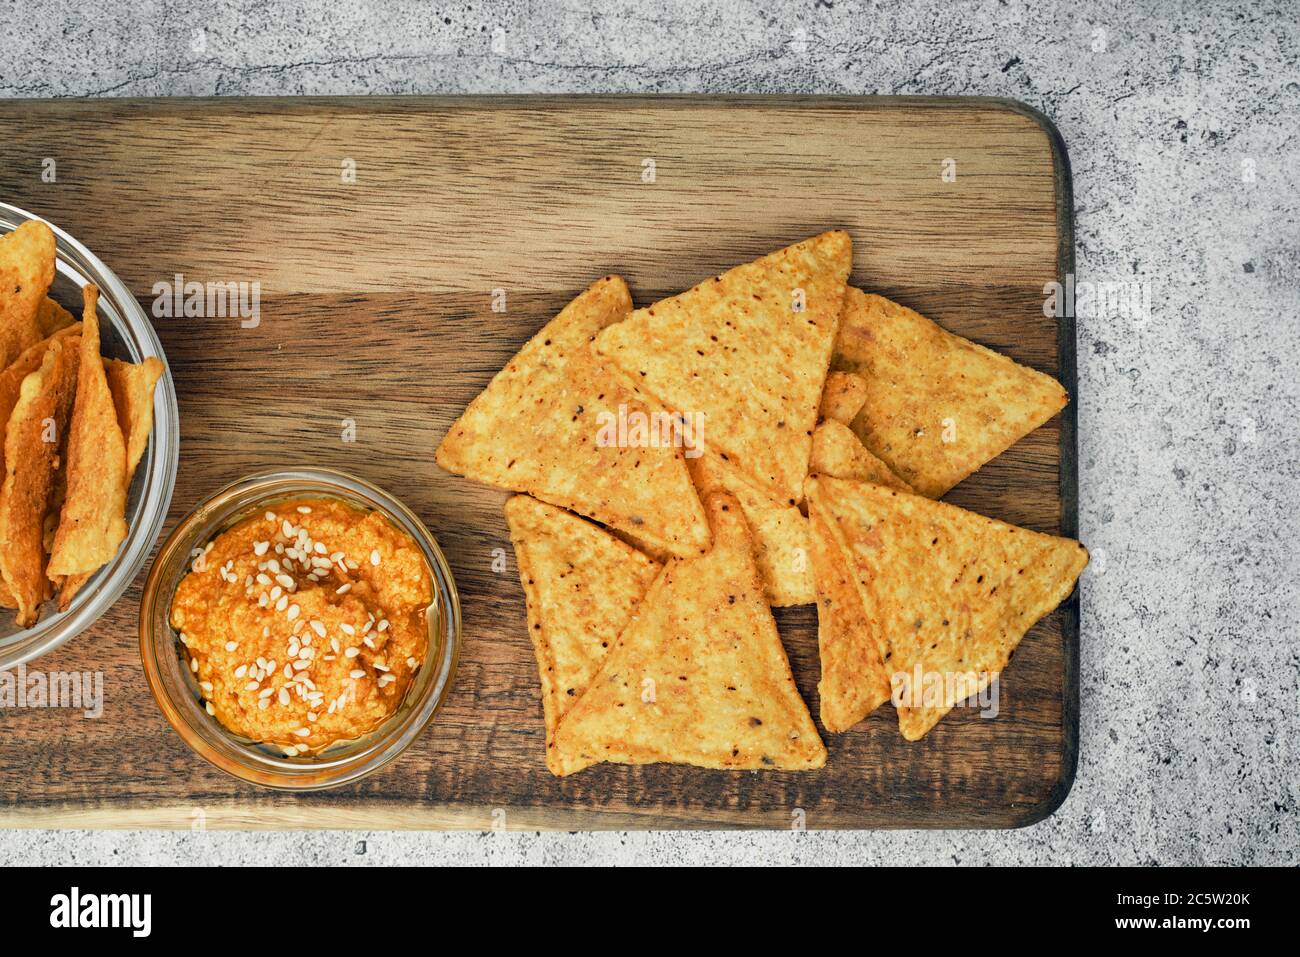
817,426
76,426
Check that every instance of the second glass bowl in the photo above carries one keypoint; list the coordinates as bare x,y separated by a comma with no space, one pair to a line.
179,697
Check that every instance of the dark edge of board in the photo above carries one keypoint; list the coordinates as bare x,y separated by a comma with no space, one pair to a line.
1067,352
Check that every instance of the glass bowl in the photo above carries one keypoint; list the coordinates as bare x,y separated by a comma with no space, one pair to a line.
174,686
127,334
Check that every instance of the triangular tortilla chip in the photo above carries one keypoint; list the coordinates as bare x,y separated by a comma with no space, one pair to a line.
132,385
839,453
938,406
853,681
52,318
699,676
26,271
33,446
842,398
747,350
947,592
780,531
548,425
582,586
92,523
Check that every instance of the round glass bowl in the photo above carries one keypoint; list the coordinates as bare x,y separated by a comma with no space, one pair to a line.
178,695
126,333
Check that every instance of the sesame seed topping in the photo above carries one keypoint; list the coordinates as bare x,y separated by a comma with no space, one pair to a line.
343,589
356,673
231,645
259,548
302,732
284,697
374,556
305,509
352,652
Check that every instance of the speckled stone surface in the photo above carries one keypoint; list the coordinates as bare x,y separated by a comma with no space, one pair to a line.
1183,125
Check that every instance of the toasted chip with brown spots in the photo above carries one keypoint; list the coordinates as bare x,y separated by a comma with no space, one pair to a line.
582,586
33,446
843,397
840,453
747,350
946,593
699,676
548,425
26,271
854,681
938,406
92,523
780,531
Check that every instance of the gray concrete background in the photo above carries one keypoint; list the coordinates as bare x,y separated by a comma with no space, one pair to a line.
1181,121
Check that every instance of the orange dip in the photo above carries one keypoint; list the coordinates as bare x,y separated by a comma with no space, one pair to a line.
305,625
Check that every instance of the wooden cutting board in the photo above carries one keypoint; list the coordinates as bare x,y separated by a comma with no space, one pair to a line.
376,307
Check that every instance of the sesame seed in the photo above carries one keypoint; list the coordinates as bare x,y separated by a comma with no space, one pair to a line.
305,509
259,548
301,665
343,589
263,704
356,673
352,652
241,671
383,625
293,612
374,556
302,732
285,580
231,645
334,645
252,686
266,692
206,686
270,516
380,665
318,627
411,662
287,529
282,603
207,706
194,665
284,697
347,629
311,715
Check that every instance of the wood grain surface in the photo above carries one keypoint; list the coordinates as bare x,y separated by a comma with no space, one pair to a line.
376,307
